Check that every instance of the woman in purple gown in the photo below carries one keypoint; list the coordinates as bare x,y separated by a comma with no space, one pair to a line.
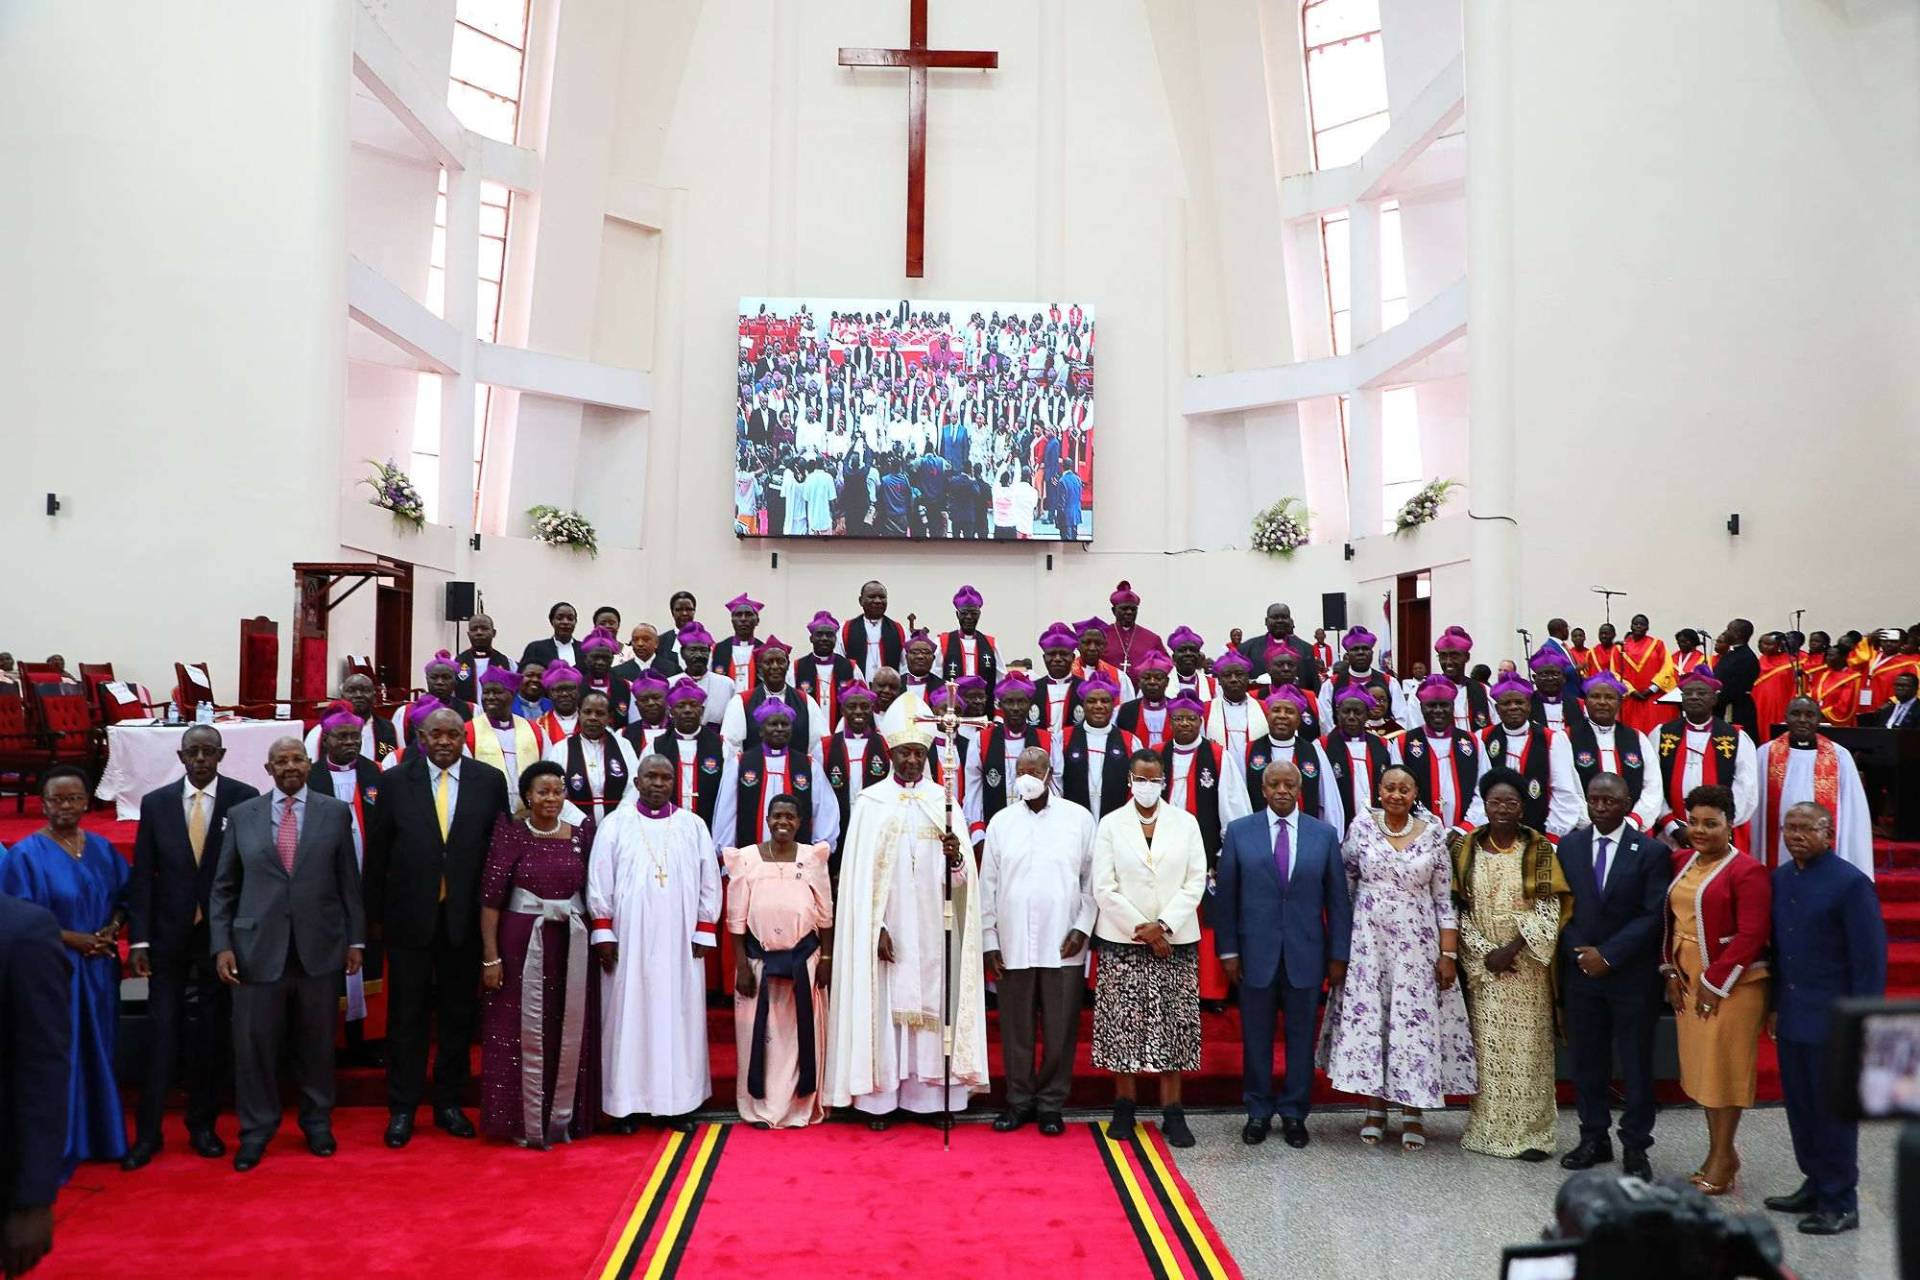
540,1028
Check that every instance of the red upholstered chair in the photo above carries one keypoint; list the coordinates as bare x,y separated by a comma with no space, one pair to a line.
113,711
23,755
73,734
259,660
187,693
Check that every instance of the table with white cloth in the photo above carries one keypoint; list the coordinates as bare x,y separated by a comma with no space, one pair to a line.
141,757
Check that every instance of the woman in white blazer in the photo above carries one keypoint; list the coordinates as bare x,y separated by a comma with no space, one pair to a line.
1149,872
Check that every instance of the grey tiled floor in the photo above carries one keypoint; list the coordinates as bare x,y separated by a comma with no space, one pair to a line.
1339,1209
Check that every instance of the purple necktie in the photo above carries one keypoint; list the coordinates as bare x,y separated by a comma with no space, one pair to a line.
1600,862
1282,852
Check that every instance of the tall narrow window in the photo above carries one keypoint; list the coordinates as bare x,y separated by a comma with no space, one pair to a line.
484,83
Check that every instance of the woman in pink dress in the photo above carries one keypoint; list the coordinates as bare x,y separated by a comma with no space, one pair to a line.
1396,1030
780,914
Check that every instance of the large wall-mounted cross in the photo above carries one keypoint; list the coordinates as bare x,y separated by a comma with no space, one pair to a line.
916,58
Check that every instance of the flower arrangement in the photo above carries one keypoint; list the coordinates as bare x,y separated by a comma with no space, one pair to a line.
559,528
1282,528
393,491
1424,505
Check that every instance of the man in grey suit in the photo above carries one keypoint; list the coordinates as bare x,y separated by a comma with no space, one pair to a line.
285,922
1282,922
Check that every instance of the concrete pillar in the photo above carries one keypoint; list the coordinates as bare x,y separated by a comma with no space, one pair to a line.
1363,270
461,309
1364,463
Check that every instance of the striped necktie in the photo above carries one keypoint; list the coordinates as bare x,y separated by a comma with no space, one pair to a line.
287,839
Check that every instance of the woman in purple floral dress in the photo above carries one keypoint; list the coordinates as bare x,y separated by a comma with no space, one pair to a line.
1396,1030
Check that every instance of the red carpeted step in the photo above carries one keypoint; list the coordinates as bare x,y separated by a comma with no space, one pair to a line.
1903,920
1900,854
1898,885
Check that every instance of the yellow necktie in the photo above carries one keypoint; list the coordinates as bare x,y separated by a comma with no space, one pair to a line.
197,827
440,809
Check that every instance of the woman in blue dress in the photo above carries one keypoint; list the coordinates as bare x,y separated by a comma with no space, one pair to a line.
81,879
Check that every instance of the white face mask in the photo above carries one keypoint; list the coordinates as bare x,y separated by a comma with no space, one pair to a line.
1028,787
1147,794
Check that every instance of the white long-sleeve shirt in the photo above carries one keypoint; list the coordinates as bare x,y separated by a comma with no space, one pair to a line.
1564,806
726,805
733,724
1036,883
1610,741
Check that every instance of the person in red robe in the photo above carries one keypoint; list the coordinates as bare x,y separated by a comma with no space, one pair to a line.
1606,652
1814,657
1775,686
1127,640
1836,687
1645,667
1581,654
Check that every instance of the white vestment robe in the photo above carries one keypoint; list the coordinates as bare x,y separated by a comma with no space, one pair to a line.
884,1044
653,886
1852,825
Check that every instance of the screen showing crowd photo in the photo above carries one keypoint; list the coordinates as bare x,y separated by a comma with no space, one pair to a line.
877,418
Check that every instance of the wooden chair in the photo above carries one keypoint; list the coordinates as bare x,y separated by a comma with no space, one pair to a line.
23,754
189,693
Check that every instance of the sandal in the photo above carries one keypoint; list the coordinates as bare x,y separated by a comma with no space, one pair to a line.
1372,1126
1413,1133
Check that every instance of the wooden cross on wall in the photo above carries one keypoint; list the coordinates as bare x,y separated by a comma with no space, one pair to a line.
916,59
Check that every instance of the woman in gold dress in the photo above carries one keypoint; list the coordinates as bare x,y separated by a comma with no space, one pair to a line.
1513,900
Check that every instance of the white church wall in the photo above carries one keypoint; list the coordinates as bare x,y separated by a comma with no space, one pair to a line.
174,332
1711,211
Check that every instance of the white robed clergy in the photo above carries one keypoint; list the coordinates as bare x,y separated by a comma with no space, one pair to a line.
1803,765
653,890
884,1050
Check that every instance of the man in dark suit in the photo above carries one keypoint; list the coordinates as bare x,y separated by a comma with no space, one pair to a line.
644,641
1610,972
666,659
1280,635
1904,711
1282,922
1737,669
1829,944
472,662
36,1032
182,826
425,850
286,924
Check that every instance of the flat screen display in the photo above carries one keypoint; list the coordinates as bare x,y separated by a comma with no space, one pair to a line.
890,418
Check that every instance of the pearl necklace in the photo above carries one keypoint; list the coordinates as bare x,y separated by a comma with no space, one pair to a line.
1390,831
554,830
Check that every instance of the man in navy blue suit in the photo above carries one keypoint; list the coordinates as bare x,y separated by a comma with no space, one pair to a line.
1829,943
1282,922
1610,972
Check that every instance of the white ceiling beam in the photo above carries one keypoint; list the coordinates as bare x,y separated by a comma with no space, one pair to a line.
420,107
1434,111
562,378
1385,361
517,168
389,311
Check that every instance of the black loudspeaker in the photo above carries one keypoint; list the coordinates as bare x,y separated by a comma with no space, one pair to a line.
1333,610
459,601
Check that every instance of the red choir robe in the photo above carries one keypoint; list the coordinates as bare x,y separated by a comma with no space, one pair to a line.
1772,690
1644,665
1838,693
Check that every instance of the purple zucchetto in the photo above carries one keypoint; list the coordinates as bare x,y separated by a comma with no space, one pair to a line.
1454,639
1154,662
1097,683
1231,660
823,621
417,713
967,598
771,708
340,716
1293,694
1436,688
695,634
1183,636
650,681
744,601
1057,637
1544,658
1357,693
1014,684
1701,674
503,676
441,661
1510,683
602,640
1186,702
1360,638
1604,680
685,690
558,674
1124,594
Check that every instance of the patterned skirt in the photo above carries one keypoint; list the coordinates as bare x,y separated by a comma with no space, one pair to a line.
1146,1011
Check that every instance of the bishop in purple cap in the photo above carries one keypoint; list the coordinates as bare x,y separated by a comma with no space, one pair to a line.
1128,641
734,659
967,650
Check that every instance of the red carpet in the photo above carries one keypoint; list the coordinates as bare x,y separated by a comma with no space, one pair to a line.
440,1207
837,1199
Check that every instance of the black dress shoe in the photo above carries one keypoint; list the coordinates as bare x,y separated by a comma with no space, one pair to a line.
1120,1128
454,1121
1590,1152
1173,1124
206,1144
1634,1163
625,1126
1052,1124
1802,1201
1010,1119
139,1155
1534,1155
678,1124
1254,1132
880,1124
248,1156
399,1129
321,1143
1294,1133
1829,1222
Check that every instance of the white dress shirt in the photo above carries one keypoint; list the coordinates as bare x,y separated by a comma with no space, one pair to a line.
1609,742
1096,763
1695,743
1612,838
1035,883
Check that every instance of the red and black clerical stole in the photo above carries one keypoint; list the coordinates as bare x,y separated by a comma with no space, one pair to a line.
614,774
1199,792
1589,759
893,642
697,763
1427,755
385,740
1377,684
1075,769
822,679
1716,764
796,701
993,770
1534,764
985,662
874,767
794,769
1263,753
1341,762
